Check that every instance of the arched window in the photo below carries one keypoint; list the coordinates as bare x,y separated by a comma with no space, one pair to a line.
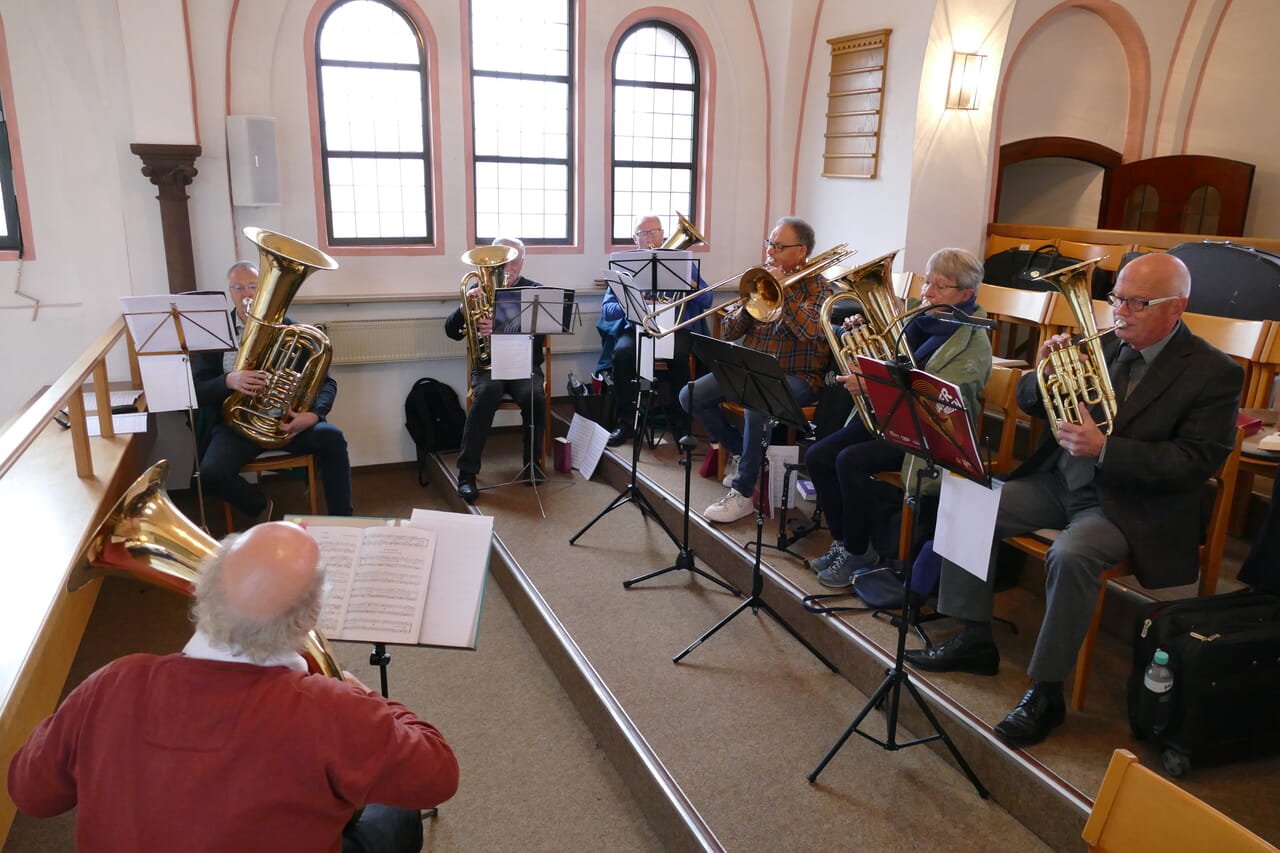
1203,210
1140,208
656,94
374,133
522,112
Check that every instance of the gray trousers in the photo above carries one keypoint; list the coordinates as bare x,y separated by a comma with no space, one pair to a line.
1087,546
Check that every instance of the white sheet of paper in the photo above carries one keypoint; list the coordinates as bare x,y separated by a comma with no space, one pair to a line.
588,439
511,356
665,347
647,356
118,398
124,424
167,381
778,455
967,523
456,593
205,319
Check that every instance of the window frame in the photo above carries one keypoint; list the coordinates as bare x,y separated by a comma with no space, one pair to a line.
570,160
426,157
697,118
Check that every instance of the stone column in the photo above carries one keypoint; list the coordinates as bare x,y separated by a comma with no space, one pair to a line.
172,168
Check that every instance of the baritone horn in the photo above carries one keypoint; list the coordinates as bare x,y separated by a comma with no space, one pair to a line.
1075,376
147,538
295,356
760,292
871,287
490,274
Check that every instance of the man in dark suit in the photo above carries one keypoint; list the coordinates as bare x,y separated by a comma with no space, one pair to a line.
1132,494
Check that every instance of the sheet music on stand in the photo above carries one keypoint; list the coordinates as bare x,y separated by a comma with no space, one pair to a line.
658,270
165,329
519,313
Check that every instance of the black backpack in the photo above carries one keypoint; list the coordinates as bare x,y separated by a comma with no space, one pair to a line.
434,418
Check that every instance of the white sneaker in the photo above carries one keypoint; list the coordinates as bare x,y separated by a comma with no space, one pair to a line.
731,471
731,507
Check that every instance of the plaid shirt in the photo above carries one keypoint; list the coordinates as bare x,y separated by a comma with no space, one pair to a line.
795,339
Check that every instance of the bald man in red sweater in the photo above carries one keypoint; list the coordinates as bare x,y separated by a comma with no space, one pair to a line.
232,744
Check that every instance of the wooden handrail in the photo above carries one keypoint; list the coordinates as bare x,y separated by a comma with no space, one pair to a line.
64,391
1156,239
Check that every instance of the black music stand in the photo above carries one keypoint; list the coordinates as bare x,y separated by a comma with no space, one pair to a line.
633,305
754,380
923,415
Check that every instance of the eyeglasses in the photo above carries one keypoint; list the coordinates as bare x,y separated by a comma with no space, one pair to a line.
933,285
778,247
1134,304
652,232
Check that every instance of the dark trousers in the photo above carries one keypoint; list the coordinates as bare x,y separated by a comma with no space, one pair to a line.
229,451
486,394
1261,569
384,829
676,376
841,467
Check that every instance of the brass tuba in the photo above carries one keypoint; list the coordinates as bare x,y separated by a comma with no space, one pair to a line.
490,273
1075,376
147,538
296,356
871,286
685,235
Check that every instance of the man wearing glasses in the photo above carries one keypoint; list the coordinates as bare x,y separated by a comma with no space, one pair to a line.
795,339
1133,494
618,337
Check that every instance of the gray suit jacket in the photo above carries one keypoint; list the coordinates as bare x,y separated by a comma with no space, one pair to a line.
1169,437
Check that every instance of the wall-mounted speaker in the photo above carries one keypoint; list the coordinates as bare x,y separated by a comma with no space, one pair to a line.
251,156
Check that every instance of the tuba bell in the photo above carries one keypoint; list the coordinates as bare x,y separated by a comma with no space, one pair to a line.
490,273
296,356
1076,376
685,235
147,538
870,285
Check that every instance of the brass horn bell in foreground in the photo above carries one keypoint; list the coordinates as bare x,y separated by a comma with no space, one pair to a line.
870,286
1076,376
296,356
147,538
685,235
490,273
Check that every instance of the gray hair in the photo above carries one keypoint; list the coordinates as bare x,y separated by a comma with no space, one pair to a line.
804,231
958,265
514,242
641,217
259,640
242,265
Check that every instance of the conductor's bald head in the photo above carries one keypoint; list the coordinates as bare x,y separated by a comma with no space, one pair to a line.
260,593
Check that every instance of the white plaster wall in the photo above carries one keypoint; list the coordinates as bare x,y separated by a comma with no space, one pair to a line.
1051,191
1235,116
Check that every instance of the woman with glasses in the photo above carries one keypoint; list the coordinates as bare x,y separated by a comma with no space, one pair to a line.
843,464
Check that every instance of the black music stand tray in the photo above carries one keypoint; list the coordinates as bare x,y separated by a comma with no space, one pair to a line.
754,380
912,421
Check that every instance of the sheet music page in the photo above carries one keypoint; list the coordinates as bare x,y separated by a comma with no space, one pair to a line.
646,345
588,439
778,455
339,553
123,424
511,356
966,523
167,381
389,587
455,595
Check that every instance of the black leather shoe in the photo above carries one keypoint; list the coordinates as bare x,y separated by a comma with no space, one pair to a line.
621,435
957,655
467,488
1039,712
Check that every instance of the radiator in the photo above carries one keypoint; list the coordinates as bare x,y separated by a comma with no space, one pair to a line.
421,338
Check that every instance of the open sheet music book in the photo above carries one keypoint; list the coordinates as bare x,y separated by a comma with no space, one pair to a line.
403,581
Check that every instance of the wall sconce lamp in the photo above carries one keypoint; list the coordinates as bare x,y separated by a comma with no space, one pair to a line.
966,76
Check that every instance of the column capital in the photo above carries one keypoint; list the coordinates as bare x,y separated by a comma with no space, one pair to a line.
167,165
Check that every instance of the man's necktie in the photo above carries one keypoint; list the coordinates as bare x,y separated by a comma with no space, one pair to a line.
1124,376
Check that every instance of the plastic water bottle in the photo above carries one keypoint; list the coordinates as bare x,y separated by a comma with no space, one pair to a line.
1157,685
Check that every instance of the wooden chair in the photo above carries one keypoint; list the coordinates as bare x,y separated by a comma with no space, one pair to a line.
509,404
997,243
1260,393
999,398
1243,340
1111,254
1139,811
1037,545
279,460
1022,308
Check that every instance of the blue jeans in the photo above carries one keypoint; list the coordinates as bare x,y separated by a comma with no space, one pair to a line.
229,451
384,829
705,408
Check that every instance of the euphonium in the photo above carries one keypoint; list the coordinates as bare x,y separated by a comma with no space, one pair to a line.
871,286
1075,376
490,273
296,356
147,538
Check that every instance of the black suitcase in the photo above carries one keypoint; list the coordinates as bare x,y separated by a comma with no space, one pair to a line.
1231,281
1224,652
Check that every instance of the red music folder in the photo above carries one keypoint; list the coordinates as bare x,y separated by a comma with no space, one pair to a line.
925,413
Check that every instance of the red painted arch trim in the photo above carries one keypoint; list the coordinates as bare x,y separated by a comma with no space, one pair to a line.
1168,77
808,72
1195,95
768,116
706,96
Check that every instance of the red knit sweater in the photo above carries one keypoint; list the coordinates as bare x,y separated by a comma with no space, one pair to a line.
178,753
